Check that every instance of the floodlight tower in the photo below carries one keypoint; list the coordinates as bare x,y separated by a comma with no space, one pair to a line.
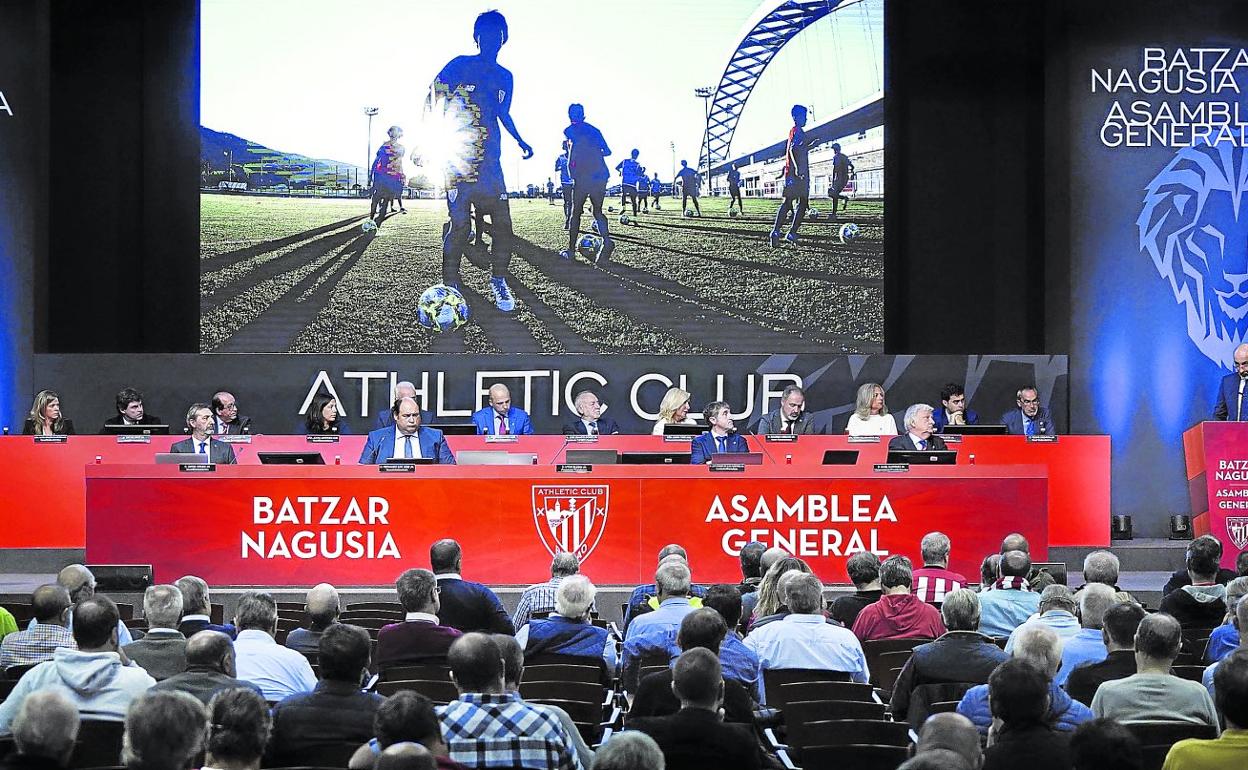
705,93
368,157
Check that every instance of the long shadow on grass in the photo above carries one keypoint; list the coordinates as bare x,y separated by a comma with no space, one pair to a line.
227,258
748,234
301,255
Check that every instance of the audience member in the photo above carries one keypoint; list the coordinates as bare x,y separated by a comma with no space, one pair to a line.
1100,567
540,598
805,640
770,606
751,575
645,598
738,662
164,731
8,624
197,609
239,727
490,727
405,717
405,756
1225,637
323,608
934,579
1039,646
567,631
1017,694
1231,749
421,636
210,668
863,569
279,672
336,712
694,738
936,759
1207,545
1152,694
1241,621
704,628
465,605
51,606
632,750
954,733
944,669
1202,602
1103,744
1037,579
989,571
1010,602
513,671
162,650
80,582
92,676
44,731
1056,610
898,614
1120,622
654,631
1088,644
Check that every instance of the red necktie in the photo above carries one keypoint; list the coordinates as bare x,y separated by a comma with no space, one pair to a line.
502,425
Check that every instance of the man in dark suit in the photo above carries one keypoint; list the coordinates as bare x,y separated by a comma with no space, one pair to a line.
695,737
920,431
162,650
197,609
790,416
385,417
200,420
953,409
407,438
1030,418
226,418
421,636
500,417
466,605
130,411
1233,391
590,421
720,438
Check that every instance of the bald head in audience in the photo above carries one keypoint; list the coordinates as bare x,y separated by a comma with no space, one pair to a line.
476,664
405,756
323,606
211,649
46,726
936,759
1015,564
78,580
1040,646
50,604
1014,542
630,750
951,732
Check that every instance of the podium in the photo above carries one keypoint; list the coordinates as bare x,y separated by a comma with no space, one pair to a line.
1216,454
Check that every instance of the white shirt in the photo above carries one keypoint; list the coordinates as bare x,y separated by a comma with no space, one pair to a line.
207,442
423,617
591,426
874,425
278,671
915,440
658,425
806,641
399,449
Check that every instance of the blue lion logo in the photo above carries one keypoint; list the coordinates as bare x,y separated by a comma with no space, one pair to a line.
1195,228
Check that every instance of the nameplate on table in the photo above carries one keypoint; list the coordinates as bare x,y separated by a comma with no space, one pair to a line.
727,467
678,439
322,439
573,468
197,467
864,439
579,438
396,468
510,438
951,438
892,467
124,439
51,439
233,438
781,438
1044,438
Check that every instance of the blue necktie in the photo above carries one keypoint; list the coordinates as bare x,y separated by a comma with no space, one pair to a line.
407,446
593,428
203,447
923,444
1030,430
720,444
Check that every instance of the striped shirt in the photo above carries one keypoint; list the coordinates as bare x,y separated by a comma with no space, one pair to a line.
34,645
536,598
487,730
932,583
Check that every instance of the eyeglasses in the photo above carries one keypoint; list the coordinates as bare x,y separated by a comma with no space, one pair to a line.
1030,400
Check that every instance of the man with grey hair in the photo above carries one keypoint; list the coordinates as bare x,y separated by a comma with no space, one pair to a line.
672,579
789,417
644,598
323,607
1153,694
568,631
1040,646
1226,637
934,579
164,730
804,639
44,731
590,421
541,596
1088,644
898,614
210,668
944,669
385,416
1240,620
162,651
279,672
197,608
629,750
421,636
80,583
920,432
1101,567
953,733
1056,610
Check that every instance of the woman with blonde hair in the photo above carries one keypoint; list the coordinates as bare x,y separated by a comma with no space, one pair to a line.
871,417
769,598
45,417
673,410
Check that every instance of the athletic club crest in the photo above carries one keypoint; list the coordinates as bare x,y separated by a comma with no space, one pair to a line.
571,518
1237,529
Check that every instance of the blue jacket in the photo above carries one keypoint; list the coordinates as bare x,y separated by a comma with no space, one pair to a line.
486,421
380,446
559,635
1013,420
1228,397
704,446
1065,712
941,418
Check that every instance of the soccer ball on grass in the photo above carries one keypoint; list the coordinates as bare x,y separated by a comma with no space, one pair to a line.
848,232
442,308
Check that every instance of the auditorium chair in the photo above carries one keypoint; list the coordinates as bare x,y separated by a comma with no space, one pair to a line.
6,687
1190,673
370,624
439,692
98,744
886,667
1156,738
125,611
899,649
388,606
216,613
390,616
325,755
22,613
585,692
13,673
845,732
799,691
855,756
433,670
7,746
943,707
773,678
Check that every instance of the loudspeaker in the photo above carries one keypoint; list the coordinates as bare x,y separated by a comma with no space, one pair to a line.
1180,526
128,578
1120,527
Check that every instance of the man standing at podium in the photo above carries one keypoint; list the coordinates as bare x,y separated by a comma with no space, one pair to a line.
1232,399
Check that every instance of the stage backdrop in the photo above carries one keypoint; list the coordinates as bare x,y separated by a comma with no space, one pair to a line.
1158,227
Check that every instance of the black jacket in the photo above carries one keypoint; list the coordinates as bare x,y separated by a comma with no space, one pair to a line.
845,609
471,606
333,714
696,739
1084,680
1192,612
943,670
1036,748
1180,578
656,699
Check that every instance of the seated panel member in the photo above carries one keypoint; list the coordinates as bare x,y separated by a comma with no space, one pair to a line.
45,418
1233,391
790,416
130,411
920,431
500,418
953,409
226,417
591,422
673,410
324,419
720,438
200,420
1030,418
407,439
385,417
871,417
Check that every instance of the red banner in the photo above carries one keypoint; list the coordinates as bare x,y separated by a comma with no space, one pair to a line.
1217,462
357,526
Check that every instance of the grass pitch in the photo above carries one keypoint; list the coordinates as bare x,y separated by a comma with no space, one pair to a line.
299,275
